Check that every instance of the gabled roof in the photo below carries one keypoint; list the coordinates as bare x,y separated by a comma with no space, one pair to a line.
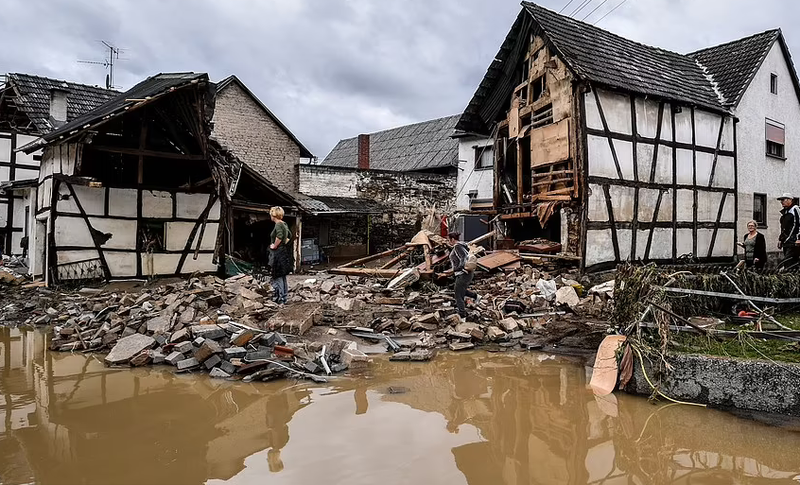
143,93
232,79
33,97
733,65
594,55
421,146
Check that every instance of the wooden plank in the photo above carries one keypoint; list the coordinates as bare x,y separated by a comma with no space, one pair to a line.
549,174
498,259
395,260
372,257
520,175
513,119
731,296
550,144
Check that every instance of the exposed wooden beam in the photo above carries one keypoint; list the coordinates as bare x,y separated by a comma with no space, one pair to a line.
146,153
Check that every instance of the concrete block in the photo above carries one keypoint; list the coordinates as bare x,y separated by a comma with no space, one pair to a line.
174,358
188,364
206,350
212,361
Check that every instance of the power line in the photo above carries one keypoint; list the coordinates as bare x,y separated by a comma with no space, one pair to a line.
594,10
609,12
565,6
581,7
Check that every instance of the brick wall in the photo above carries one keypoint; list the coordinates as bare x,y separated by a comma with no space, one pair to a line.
242,126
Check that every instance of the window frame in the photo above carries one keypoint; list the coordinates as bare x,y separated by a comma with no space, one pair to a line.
773,83
767,141
479,151
763,199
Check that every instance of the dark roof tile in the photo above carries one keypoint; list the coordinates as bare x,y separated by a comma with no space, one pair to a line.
421,146
34,98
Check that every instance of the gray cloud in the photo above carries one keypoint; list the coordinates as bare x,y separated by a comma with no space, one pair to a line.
331,69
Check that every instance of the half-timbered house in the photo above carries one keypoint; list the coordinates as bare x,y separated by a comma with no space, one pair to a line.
138,188
616,149
31,106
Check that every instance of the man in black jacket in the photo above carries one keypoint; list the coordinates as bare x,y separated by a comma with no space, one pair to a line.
458,258
790,227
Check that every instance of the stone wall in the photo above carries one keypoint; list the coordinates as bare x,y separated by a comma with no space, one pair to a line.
242,125
407,196
743,384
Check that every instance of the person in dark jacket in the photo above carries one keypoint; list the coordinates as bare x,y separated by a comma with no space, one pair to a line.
280,256
790,227
458,258
755,247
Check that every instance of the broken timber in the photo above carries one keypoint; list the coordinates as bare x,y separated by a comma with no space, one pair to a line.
731,296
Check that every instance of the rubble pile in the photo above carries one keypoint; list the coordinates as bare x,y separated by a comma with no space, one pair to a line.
231,329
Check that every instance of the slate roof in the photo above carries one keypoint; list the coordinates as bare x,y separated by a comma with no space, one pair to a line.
594,55
151,87
421,146
232,79
34,97
734,64
320,205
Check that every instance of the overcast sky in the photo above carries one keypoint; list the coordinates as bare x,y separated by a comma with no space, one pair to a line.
330,69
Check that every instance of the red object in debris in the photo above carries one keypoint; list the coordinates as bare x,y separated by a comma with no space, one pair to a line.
745,314
444,227
281,350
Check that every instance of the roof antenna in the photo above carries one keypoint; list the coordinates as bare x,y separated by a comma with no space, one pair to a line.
108,63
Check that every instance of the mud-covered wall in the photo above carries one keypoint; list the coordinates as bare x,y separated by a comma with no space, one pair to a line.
725,383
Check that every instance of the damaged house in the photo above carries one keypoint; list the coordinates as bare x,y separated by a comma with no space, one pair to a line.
137,187
616,149
31,106
376,191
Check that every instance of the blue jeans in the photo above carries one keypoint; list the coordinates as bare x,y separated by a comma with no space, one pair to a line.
281,288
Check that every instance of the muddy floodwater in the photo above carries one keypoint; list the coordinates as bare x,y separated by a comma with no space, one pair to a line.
473,418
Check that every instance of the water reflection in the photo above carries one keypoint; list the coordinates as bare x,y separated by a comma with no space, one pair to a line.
467,418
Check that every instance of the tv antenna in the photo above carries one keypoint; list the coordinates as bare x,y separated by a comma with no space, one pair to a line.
111,57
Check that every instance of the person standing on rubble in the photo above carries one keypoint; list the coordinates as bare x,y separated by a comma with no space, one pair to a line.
790,227
458,259
280,255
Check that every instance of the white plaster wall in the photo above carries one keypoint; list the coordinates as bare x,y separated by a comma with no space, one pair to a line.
123,232
328,182
178,233
156,204
121,264
617,110
470,179
759,173
122,202
72,231
191,206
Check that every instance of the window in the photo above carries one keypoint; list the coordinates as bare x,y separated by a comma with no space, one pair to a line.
776,138
773,83
760,209
484,157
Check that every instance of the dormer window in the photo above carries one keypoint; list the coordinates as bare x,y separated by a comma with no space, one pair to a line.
773,83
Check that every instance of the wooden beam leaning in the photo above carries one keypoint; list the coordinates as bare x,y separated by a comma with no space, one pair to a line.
372,257
612,222
716,227
716,151
92,232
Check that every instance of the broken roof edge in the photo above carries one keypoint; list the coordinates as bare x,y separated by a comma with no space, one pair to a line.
93,119
224,83
251,172
420,172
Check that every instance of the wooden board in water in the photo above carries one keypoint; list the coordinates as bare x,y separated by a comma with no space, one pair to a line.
604,376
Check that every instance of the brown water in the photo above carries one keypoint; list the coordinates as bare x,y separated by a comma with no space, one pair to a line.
473,418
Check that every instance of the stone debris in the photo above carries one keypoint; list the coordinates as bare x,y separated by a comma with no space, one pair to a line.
231,329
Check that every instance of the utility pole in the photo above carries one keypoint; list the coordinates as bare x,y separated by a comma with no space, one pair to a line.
108,63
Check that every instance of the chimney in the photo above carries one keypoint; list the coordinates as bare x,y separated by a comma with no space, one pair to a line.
58,107
363,152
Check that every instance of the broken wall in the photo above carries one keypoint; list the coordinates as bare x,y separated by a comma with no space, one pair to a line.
109,232
661,180
407,196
